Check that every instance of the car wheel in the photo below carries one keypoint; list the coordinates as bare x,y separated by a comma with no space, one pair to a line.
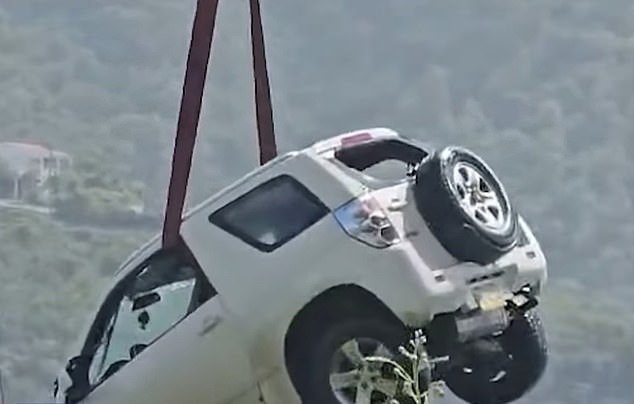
465,206
501,369
335,369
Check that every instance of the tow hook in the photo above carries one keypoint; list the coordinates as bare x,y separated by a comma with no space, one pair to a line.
521,302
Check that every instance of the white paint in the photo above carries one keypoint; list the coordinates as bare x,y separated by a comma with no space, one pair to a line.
259,293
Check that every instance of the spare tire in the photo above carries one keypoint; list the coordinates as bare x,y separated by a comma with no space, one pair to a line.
465,206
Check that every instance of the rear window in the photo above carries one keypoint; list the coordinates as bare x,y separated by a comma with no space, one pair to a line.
271,214
385,159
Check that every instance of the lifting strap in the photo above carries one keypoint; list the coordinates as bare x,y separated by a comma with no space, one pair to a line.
191,101
263,104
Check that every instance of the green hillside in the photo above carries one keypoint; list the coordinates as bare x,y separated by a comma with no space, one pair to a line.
544,90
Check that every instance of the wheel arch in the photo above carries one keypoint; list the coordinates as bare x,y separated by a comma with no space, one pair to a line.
331,304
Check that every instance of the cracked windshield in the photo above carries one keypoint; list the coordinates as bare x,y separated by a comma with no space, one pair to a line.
453,178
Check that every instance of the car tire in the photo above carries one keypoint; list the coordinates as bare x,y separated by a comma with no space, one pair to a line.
523,342
465,206
321,356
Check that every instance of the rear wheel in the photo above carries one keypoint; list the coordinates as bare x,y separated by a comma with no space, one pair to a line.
501,369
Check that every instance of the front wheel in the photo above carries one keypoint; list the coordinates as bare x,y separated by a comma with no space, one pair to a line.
501,369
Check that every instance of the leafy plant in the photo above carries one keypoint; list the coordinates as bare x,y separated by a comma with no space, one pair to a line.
420,367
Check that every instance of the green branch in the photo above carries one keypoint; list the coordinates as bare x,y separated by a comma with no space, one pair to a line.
419,362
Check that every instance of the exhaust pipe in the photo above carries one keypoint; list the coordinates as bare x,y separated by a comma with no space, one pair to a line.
450,329
480,324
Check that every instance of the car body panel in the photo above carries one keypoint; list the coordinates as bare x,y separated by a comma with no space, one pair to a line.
259,293
187,364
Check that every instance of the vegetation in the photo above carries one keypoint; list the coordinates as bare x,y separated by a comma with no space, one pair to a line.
51,279
420,364
87,196
542,89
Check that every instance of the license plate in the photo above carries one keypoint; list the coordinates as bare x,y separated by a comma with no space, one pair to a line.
492,301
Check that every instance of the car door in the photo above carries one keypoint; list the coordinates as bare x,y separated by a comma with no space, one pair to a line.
257,239
163,336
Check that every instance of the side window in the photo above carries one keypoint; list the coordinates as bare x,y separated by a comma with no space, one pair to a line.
271,214
143,307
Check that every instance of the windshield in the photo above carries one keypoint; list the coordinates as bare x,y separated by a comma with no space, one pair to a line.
138,321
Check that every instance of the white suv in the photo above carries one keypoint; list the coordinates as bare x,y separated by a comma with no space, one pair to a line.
285,282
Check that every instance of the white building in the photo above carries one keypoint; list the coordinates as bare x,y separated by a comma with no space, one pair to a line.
30,163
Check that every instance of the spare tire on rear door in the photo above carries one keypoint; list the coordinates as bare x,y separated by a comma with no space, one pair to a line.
465,206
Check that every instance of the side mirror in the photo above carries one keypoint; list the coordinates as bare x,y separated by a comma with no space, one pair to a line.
145,300
77,370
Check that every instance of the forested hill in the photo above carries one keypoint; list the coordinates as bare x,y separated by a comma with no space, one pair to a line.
544,90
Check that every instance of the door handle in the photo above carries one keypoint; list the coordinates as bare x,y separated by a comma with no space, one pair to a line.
209,323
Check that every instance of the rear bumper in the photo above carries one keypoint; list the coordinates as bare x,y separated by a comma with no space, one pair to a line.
446,290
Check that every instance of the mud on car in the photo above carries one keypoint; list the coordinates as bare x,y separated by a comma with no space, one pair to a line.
287,280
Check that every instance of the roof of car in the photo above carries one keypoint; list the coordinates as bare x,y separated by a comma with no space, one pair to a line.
357,136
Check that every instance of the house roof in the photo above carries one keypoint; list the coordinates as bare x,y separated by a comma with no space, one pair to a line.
18,156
